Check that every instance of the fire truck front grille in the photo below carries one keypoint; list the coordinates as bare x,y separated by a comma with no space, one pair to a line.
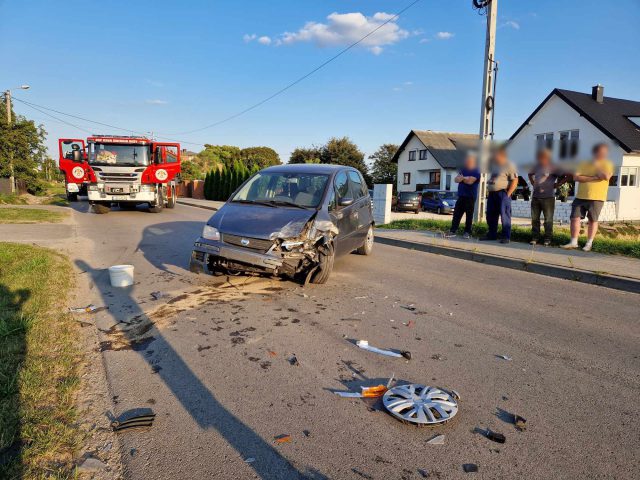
257,244
117,177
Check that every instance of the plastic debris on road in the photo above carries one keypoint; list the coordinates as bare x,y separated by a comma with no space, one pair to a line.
159,295
91,308
519,422
505,357
411,307
367,392
470,467
437,440
364,344
250,460
491,435
293,360
285,438
137,417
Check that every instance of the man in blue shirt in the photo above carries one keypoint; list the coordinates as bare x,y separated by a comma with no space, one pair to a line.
467,180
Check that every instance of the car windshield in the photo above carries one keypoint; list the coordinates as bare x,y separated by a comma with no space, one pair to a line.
448,195
406,196
283,188
119,155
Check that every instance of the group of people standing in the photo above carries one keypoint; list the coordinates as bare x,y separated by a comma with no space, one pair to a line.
593,182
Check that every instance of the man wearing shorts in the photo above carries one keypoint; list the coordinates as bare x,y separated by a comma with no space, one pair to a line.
593,178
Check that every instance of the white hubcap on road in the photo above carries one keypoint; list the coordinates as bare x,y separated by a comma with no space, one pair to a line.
420,404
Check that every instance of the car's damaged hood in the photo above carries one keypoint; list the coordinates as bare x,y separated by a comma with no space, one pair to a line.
257,221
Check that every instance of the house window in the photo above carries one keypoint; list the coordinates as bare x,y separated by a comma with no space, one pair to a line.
412,155
423,154
544,140
406,178
569,141
434,178
628,176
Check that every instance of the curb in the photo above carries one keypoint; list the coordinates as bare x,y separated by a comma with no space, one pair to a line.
584,276
197,205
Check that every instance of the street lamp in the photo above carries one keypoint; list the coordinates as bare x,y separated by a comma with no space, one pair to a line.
7,101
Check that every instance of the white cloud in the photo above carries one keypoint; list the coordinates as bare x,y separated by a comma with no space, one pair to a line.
264,40
156,102
511,24
408,83
248,38
155,83
346,28
424,40
444,35
396,89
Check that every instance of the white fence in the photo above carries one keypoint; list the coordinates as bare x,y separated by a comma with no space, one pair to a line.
522,208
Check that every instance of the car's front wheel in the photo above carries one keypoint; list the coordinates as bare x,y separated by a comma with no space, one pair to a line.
325,264
367,246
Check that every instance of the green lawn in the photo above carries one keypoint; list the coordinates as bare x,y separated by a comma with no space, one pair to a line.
602,244
11,199
39,360
30,215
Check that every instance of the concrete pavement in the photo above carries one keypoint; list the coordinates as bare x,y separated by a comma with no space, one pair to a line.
211,360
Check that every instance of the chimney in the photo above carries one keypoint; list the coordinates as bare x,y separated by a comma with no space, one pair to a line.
597,93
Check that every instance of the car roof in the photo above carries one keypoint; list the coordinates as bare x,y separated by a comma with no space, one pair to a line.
319,168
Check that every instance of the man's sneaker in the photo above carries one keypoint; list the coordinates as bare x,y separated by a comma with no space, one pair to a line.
466,236
569,246
487,239
546,242
587,247
505,240
450,235
533,242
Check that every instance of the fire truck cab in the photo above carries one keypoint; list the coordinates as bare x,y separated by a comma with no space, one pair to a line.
132,170
73,163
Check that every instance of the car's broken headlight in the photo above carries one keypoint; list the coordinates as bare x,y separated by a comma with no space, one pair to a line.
210,233
290,244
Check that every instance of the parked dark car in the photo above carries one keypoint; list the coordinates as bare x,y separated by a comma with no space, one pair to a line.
408,202
440,201
522,191
289,220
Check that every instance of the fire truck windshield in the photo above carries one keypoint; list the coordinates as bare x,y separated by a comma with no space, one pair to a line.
118,155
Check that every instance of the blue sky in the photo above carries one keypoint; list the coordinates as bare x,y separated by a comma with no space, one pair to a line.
168,66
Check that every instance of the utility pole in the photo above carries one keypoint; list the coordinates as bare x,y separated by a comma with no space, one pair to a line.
486,115
7,101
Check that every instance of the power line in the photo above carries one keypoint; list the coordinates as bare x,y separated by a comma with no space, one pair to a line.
300,79
54,117
35,106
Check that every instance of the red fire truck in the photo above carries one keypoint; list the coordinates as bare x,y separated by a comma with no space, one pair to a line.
124,170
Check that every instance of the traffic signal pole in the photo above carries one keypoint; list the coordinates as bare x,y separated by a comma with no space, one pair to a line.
486,112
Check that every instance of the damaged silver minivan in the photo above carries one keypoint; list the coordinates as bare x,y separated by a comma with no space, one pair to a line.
291,220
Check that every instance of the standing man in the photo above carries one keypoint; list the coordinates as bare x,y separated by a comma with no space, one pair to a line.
544,179
502,182
593,178
467,180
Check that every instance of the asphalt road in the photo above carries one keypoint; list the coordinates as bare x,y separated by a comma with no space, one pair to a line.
211,359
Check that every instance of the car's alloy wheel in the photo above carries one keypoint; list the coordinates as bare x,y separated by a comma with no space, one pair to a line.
367,246
325,264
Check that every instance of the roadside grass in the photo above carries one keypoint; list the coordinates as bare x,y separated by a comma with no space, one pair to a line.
59,199
30,215
12,199
39,365
602,244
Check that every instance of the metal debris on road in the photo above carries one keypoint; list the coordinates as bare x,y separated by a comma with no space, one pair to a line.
437,440
420,404
505,357
411,307
364,344
137,417
470,467
91,308
285,438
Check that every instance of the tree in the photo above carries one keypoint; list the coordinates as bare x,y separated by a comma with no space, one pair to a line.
215,184
306,155
213,155
261,156
342,151
190,170
21,146
207,186
383,170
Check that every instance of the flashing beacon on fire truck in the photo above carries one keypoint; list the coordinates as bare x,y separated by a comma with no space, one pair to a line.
127,171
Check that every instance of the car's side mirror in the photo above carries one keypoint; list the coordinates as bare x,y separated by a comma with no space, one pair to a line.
345,202
76,156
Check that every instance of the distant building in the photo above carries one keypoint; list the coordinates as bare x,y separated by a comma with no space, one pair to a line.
569,123
187,155
428,159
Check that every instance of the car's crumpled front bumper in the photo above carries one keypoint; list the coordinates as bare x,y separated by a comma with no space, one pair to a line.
203,249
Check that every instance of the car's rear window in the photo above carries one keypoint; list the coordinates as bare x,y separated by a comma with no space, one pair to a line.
405,196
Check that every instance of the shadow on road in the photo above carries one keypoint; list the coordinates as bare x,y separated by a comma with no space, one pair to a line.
195,397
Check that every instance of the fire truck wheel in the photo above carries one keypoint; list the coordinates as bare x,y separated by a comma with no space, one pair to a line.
159,203
72,197
101,208
171,202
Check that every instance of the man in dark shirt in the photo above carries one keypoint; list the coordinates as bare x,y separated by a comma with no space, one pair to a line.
544,179
467,180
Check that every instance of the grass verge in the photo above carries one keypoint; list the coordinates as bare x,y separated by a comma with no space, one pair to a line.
12,199
30,215
39,358
614,246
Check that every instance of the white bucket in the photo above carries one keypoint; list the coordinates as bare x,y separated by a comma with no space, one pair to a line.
121,275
